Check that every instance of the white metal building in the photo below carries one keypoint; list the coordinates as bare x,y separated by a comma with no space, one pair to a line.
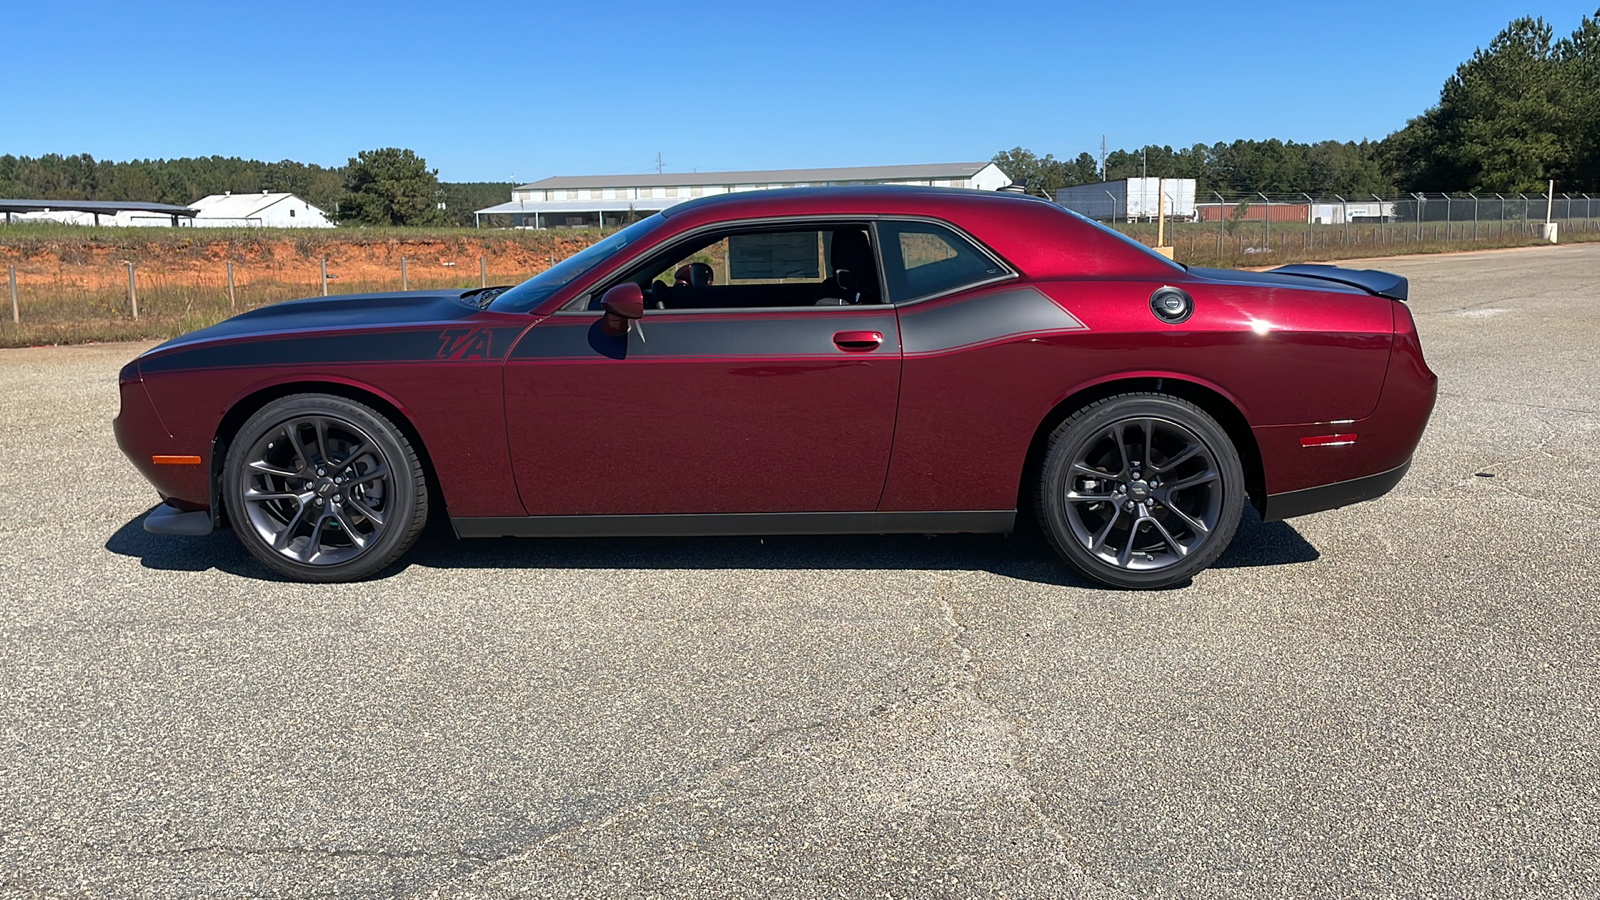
583,200
263,210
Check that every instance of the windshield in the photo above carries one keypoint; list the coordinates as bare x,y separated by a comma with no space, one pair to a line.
540,287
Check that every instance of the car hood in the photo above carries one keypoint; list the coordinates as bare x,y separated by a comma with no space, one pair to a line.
332,313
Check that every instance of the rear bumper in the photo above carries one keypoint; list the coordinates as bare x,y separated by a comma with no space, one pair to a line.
1331,496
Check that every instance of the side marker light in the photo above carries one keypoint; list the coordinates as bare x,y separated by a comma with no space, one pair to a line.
175,460
1328,440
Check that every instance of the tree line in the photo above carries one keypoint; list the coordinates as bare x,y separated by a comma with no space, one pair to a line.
387,186
1521,111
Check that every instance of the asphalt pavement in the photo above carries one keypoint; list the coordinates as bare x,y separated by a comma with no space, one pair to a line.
1397,699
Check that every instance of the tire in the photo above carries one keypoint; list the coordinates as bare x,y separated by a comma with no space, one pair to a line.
323,489
1153,516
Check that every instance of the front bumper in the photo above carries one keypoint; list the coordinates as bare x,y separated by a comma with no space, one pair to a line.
143,437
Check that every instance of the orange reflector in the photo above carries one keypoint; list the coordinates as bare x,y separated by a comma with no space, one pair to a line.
175,460
1328,440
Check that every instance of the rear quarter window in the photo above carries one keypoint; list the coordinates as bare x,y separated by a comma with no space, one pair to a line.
922,259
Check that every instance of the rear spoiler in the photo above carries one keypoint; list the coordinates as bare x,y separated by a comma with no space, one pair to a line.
1384,284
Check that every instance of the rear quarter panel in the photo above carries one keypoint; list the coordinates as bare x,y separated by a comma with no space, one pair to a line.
1283,357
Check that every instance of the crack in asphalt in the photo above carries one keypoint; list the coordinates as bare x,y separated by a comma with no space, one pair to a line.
963,684
972,688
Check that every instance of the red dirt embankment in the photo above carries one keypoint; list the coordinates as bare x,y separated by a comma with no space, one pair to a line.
97,264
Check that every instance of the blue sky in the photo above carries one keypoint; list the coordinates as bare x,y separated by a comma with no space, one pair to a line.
494,89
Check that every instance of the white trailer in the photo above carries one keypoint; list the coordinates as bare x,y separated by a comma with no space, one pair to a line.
1131,199
1354,211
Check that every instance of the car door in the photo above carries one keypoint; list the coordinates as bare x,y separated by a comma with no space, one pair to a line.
749,400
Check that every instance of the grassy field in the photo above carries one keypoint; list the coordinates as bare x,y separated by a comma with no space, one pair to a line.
72,281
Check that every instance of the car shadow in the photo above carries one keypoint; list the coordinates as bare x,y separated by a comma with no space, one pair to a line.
1024,555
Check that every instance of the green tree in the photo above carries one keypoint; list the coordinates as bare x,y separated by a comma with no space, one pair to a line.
462,199
391,186
1083,170
1519,112
1579,57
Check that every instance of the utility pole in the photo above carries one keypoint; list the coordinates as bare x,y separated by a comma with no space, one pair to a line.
659,167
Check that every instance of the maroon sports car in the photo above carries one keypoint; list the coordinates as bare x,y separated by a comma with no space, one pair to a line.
843,360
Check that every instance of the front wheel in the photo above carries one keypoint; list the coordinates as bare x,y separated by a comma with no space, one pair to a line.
1140,490
321,488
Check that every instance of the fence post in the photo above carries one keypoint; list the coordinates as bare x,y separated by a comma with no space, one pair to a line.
1449,221
404,284
1222,222
1311,215
1267,215
483,272
1500,230
1421,199
1524,213
324,276
232,305
133,292
16,314
1383,220
1344,216
1474,215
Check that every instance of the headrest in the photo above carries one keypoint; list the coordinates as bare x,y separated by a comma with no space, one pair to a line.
695,274
850,249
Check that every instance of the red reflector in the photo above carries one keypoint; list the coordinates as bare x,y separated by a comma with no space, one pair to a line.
175,460
1328,440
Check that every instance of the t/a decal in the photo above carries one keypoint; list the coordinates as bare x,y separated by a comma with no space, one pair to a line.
458,344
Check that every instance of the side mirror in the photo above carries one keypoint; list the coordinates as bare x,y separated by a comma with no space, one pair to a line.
622,304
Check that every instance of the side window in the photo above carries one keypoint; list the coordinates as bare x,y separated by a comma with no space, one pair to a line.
831,264
922,259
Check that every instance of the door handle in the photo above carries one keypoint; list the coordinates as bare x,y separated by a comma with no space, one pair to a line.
858,340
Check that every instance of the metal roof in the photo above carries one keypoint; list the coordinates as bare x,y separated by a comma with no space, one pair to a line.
240,205
920,172
575,206
93,206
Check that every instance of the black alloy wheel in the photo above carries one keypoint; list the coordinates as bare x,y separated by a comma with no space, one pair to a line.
322,488
1140,490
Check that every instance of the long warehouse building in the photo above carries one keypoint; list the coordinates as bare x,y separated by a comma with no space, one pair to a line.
576,201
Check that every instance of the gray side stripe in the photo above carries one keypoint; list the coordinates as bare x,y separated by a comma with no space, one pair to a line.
982,319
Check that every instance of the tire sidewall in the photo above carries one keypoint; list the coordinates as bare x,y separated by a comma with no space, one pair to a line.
399,530
1077,431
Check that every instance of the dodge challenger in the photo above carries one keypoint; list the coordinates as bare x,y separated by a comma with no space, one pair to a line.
815,360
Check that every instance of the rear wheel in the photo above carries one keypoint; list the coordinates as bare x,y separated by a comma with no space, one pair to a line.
1140,490
321,488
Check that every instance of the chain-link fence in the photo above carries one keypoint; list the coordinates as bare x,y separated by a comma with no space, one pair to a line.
1234,228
